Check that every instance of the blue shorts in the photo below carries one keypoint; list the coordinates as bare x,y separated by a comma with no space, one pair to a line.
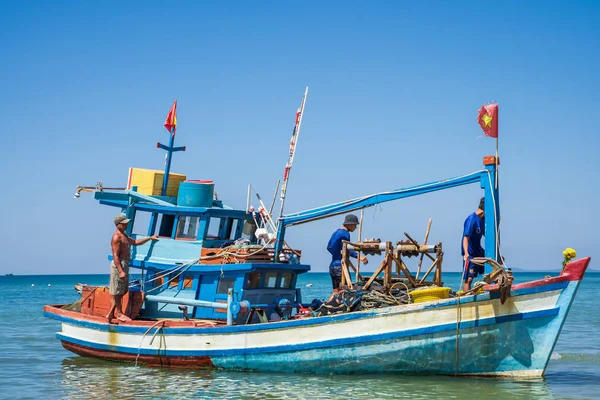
473,270
335,271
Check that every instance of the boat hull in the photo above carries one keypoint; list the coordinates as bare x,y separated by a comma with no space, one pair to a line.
475,335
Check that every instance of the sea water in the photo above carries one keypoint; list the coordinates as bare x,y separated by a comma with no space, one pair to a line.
34,364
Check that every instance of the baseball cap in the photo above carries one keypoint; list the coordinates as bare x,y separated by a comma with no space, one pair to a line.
121,219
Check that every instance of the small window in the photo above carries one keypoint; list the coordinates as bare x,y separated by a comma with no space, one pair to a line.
141,221
253,281
232,229
187,282
270,279
165,225
187,228
225,284
286,280
174,280
213,228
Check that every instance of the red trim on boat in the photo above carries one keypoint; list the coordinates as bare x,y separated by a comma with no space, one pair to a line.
573,272
55,309
153,361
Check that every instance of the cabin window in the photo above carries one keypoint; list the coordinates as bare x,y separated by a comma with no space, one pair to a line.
187,282
225,284
165,224
141,220
286,279
270,279
253,281
158,279
174,280
187,228
213,228
232,229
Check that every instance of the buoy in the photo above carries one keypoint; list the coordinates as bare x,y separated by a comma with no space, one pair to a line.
309,285
49,285
32,285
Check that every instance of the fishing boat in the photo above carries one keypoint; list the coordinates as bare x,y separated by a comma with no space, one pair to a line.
219,290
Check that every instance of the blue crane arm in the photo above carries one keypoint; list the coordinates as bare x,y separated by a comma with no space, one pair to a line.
377,198
484,177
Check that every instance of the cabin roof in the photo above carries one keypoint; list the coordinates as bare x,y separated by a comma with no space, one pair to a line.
165,205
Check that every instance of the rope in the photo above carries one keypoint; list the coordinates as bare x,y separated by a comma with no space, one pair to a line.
458,318
144,336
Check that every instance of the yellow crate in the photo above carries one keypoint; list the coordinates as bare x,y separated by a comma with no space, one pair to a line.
150,181
429,294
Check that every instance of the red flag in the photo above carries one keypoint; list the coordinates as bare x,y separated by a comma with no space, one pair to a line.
171,120
488,120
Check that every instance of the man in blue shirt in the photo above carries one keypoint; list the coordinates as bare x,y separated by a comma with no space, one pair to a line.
335,248
471,245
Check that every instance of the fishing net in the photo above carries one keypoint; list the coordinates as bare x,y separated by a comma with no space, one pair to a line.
349,300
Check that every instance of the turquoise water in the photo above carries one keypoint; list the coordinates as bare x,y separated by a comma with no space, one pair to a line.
34,364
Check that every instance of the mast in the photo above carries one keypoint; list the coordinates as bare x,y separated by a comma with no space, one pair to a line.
171,126
293,143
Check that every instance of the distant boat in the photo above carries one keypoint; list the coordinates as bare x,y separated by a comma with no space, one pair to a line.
8,274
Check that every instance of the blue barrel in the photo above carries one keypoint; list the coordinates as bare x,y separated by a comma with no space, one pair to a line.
196,194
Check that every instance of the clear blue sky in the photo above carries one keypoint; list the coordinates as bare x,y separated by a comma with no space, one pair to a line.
394,92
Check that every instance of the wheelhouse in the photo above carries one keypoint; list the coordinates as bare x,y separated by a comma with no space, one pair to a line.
204,252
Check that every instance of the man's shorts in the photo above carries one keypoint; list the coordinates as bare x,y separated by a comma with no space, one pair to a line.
118,286
335,271
473,270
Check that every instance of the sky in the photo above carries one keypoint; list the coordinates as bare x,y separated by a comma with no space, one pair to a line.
394,89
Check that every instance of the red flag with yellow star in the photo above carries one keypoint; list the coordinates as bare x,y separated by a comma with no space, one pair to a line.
488,120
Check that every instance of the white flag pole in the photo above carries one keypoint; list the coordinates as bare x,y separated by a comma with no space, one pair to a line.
293,144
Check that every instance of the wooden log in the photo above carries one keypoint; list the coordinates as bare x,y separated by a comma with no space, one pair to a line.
405,270
388,273
346,280
438,270
424,242
378,271
362,213
435,262
355,270
418,246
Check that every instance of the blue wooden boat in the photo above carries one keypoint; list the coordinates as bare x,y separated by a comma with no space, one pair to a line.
213,295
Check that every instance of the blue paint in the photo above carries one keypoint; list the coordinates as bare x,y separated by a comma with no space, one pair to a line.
325,320
170,149
371,200
409,333
491,212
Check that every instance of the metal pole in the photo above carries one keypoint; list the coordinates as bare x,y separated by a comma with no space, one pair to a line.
248,201
362,214
168,164
274,197
229,301
293,144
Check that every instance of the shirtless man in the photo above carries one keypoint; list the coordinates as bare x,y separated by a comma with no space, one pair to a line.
119,267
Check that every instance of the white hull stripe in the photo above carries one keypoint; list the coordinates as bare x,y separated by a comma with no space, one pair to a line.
450,327
327,320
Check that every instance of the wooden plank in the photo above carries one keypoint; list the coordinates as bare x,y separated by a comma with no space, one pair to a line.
435,262
424,242
377,272
405,270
